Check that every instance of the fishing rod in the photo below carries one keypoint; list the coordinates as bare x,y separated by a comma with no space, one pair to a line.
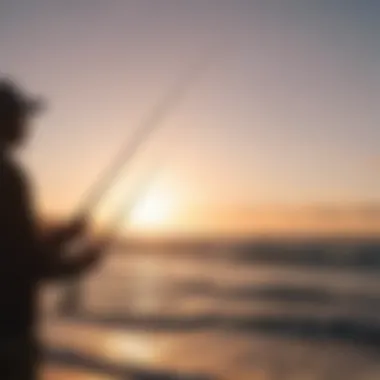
103,183
95,194
124,157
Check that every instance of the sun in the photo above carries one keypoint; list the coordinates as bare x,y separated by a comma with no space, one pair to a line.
155,209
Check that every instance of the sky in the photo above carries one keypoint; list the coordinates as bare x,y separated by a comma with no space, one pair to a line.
279,134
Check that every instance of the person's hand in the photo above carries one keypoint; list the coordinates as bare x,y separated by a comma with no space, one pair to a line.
69,232
76,228
94,253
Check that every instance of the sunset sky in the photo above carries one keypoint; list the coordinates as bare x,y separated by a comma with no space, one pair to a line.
281,134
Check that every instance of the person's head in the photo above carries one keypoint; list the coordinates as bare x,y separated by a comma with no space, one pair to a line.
16,112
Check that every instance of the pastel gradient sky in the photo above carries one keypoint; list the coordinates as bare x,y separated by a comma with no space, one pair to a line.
283,128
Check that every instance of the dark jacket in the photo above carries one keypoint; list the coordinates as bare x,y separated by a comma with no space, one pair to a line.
24,259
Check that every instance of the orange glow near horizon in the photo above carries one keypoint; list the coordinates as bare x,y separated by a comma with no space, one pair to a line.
169,207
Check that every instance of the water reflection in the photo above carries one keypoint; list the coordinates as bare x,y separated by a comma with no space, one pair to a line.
218,316
137,347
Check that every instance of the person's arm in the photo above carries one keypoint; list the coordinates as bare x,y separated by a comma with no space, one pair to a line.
55,264
46,259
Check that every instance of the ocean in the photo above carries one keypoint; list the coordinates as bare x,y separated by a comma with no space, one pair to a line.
255,311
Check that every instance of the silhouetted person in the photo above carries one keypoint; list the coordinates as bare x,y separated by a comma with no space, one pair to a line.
25,259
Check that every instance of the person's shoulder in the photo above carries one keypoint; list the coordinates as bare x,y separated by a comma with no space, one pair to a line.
12,175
